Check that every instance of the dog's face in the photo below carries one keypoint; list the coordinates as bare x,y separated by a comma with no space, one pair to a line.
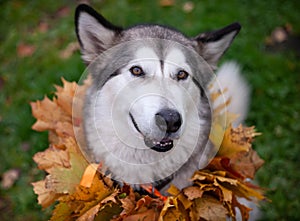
148,103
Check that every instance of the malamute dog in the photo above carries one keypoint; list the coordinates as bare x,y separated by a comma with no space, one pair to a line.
148,114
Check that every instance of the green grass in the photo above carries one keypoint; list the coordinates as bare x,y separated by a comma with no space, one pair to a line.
274,78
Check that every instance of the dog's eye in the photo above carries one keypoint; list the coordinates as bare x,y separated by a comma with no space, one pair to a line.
136,71
182,75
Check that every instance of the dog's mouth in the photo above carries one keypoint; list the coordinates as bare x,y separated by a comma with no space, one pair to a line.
162,145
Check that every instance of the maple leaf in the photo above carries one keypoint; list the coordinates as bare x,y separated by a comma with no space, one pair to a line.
150,214
65,180
62,212
46,196
65,95
128,202
208,208
180,196
52,157
237,139
90,214
50,116
224,164
193,192
108,212
247,163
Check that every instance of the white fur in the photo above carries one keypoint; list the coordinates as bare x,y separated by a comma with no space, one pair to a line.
234,87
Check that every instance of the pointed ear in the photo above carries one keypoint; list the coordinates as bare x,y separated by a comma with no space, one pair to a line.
95,34
212,45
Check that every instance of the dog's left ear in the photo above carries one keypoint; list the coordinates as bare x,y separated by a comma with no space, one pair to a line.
212,45
95,34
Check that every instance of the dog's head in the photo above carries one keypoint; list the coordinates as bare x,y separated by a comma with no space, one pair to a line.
148,97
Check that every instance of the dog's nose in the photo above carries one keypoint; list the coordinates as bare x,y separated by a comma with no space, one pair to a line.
168,120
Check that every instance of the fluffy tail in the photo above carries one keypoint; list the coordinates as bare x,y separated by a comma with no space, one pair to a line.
234,88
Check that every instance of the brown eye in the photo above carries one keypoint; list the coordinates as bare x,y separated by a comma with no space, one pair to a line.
182,75
136,71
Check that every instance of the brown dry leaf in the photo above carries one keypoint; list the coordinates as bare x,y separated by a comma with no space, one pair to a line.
188,6
208,208
128,206
46,197
138,209
166,3
50,116
69,50
243,209
226,189
43,27
25,50
146,201
220,163
128,202
65,180
9,178
63,11
150,214
52,157
65,95
247,163
193,192
237,140
90,214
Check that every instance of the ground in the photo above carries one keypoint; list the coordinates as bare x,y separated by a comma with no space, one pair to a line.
35,53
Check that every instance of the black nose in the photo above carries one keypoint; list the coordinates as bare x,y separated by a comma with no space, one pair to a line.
168,120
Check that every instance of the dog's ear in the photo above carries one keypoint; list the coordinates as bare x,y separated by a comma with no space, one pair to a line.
212,45
95,34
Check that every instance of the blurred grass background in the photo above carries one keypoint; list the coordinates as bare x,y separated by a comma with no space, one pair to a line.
33,35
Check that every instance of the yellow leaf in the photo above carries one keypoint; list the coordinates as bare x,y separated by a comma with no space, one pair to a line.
237,140
168,204
173,215
173,190
178,195
88,176
62,212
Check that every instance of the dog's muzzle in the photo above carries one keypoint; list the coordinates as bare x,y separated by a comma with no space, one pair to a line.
168,121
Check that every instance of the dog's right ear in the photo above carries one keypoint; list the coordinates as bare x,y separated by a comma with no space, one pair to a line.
95,34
